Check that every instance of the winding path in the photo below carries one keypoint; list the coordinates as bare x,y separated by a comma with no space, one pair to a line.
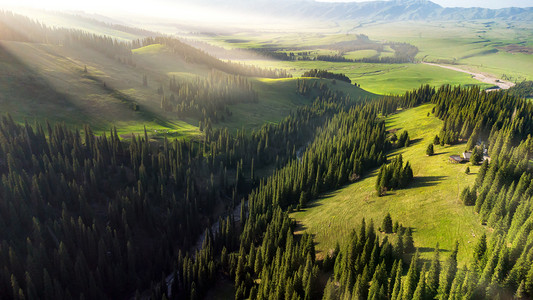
502,84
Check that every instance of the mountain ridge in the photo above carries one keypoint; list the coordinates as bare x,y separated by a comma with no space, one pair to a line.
395,10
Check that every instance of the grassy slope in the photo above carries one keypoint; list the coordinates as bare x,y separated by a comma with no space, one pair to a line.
44,82
42,74
430,205
277,97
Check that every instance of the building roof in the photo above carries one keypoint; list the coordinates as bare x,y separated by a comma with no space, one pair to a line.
456,158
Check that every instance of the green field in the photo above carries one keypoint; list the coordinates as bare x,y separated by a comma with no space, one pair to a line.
382,79
430,205
401,77
359,54
477,46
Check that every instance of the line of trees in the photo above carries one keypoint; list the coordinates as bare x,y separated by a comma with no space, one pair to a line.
326,74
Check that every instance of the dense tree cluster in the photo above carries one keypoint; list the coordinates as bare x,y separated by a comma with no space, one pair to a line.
503,190
393,176
96,216
523,89
326,74
403,140
65,193
474,115
269,260
333,58
206,98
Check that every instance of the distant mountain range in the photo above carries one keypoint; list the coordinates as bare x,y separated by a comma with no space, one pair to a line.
395,10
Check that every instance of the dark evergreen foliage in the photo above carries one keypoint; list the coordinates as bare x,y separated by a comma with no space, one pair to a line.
523,89
393,176
326,74
430,151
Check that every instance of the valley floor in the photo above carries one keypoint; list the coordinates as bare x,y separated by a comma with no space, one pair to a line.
486,78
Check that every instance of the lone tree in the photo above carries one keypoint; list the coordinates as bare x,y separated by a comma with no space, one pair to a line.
429,150
386,226
436,140
467,170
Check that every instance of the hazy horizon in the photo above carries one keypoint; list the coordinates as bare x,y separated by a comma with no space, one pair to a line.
137,6
494,4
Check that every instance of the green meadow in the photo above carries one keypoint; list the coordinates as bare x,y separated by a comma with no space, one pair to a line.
430,205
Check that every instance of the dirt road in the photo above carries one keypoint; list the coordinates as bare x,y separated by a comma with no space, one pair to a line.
502,84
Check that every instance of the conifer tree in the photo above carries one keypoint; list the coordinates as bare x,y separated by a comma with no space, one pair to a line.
387,224
429,150
447,274
432,282
411,279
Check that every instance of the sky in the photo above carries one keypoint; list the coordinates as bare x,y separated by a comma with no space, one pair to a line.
113,5
468,3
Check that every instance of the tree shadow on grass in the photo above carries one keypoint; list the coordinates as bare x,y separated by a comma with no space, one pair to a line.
425,181
414,141
300,227
318,201
440,153
429,249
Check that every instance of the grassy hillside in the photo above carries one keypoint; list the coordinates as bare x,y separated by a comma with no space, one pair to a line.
430,205
48,83
277,97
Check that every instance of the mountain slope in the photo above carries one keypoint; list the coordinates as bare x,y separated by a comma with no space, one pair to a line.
397,10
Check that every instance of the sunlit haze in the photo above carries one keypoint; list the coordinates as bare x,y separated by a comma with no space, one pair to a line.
169,8
467,3
159,9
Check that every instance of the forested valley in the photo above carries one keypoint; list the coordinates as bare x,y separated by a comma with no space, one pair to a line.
102,217
87,214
